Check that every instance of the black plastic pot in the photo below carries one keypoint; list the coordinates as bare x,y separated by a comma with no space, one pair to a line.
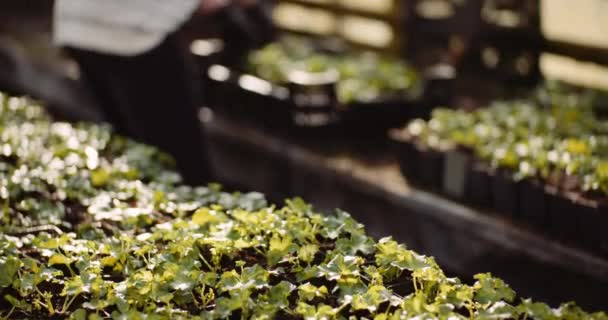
407,155
593,218
533,203
436,88
563,214
479,185
430,168
505,194
363,118
312,97
455,167
273,101
249,97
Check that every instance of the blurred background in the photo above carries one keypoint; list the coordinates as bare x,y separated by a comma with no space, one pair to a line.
299,96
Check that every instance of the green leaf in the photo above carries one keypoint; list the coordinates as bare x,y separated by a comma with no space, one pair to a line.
183,282
307,252
498,311
308,291
279,247
251,277
225,306
299,206
357,243
8,270
409,260
59,259
17,303
490,289
99,177
204,216
109,261
370,301
320,312
79,314
73,286
278,295
535,310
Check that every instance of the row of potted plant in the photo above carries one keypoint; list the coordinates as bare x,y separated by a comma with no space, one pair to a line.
543,161
362,76
95,226
303,82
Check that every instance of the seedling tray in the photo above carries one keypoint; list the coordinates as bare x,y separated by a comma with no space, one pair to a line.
533,203
271,104
478,184
570,217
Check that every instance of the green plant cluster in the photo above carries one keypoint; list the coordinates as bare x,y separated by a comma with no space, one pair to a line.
364,76
95,226
555,137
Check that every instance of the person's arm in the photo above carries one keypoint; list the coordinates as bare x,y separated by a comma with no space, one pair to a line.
208,7
247,3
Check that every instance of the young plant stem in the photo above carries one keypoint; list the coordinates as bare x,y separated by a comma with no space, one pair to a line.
206,262
8,315
66,304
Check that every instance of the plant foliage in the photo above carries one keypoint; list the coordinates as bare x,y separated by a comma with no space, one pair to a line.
555,137
95,226
364,76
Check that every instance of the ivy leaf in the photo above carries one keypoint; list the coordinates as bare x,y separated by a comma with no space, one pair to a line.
109,261
387,252
204,216
319,312
299,206
371,299
497,311
251,201
308,291
278,295
47,274
254,276
8,270
411,261
79,314
26,282
17,303
251,277
374,274
209,278
356,243
390,253
224,306
307,273
77,285
279,247
59,258
184,281
457,294
343,269
97,304
535,310
307,252
490,289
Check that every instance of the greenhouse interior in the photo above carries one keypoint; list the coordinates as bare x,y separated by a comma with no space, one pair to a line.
304,159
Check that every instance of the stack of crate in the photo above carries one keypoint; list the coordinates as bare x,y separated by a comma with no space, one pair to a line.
375,24
516,42
576,48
